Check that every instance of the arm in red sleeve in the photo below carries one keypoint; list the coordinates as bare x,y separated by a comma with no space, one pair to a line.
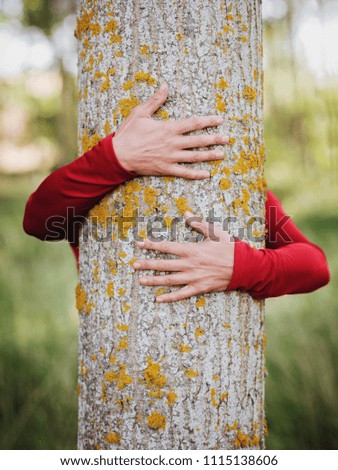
55,210
290,264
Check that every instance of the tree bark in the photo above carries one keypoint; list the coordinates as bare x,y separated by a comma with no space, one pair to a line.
187,375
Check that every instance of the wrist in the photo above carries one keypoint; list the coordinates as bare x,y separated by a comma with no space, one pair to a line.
239,261
115,168
122,167
119,154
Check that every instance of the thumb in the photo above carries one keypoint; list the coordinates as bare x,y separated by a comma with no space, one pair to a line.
155,102
211,231
197,223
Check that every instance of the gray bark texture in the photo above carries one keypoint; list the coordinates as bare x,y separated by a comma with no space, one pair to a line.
186,375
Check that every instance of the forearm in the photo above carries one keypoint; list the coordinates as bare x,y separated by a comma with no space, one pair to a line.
54,211
292,269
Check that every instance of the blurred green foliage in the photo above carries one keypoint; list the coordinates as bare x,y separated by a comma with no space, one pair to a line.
38,336
46,13
302,351
38,13
38,342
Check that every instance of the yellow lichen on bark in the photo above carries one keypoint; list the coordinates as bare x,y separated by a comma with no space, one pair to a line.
249,93
185,348
191,373
82,304
85,25
154,380
126,105
199,332
171,397
156,421
110,289
113,438
200,302
121,377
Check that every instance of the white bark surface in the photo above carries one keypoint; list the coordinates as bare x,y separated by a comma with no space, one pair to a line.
188,375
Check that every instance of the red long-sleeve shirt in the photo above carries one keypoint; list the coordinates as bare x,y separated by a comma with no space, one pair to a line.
289,264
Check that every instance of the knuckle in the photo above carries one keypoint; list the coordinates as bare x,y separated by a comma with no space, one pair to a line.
175,145
194,121
200,289
213,121
147,243
210,156
167,280
195,157
164,246
196,175
202,141
157,266
188,174
181,296
218,139
173,170
169,170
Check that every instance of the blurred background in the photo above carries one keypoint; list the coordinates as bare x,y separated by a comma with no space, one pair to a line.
38,324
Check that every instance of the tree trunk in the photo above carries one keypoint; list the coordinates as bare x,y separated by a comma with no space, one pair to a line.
187,375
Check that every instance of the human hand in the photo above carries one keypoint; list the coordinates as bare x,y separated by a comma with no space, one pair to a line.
202,267
149,147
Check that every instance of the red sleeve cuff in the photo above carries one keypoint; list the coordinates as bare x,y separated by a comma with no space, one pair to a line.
118,169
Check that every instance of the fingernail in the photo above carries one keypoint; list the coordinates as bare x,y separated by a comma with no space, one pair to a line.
159,300
137,265
219,120
225,138
142,280
140,244
205,174
163,86
219,153
188,214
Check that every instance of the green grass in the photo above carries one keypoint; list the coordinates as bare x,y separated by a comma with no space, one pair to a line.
38,342
302,352
38,332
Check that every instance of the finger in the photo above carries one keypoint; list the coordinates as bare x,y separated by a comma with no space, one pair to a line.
188,156
155,101
188,173
197,223
195,123
159,264
172,248
184,293
209,230
202,140
169,280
